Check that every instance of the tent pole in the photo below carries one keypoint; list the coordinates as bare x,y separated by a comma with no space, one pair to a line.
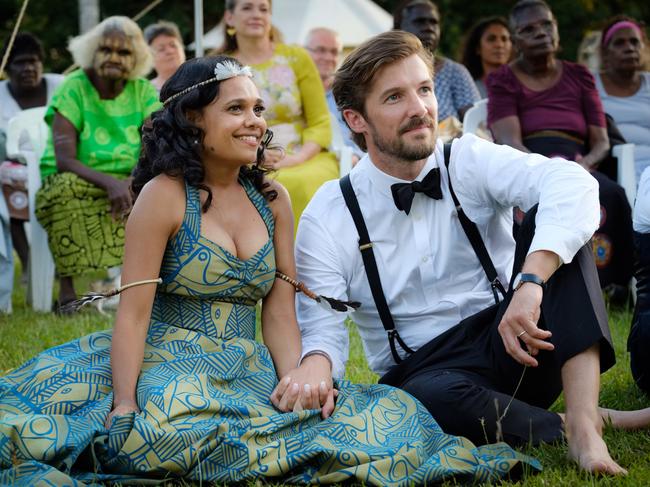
198,28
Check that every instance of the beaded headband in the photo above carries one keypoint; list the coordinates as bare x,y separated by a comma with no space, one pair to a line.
222,71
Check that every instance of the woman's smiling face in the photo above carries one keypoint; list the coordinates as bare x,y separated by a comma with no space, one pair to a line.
233,124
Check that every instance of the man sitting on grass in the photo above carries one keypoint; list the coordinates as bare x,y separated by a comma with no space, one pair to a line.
440,238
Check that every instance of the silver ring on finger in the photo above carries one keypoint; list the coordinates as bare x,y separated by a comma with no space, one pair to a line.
521,334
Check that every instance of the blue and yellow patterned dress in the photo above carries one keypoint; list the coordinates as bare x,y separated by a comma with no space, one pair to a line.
204,397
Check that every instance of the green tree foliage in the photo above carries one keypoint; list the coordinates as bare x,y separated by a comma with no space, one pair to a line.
55,21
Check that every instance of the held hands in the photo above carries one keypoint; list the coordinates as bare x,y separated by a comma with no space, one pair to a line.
120,409
119,195
518,327
308,386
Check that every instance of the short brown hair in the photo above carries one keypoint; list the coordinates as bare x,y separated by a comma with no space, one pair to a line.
354,78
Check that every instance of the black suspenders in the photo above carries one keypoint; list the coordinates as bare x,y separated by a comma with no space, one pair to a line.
370,264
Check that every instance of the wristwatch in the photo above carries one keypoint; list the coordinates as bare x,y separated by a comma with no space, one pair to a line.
522,278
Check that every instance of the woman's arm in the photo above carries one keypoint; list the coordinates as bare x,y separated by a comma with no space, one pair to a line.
317,134
507,131
599,147
310,384
279,326
64,138
156,216
306,152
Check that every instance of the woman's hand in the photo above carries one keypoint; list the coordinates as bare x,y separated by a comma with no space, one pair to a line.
308,386
119,195
288,161
277,159
120,409
586,162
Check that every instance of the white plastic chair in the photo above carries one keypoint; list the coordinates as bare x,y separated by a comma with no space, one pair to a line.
624,154
338,147
41,264
474,117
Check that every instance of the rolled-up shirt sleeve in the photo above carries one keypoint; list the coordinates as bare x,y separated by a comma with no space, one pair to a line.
569,209
320,268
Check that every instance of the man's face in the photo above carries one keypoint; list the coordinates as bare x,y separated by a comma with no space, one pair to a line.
25,71
325,49
424,22
114,58
401,112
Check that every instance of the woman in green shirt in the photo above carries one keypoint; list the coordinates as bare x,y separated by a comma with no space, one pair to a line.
94,143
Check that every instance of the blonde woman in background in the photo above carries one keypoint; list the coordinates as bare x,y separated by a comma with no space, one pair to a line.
167,48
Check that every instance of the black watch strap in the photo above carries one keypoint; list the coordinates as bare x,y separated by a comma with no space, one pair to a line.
534,278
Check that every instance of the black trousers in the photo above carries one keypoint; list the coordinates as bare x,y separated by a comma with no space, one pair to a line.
638,342
466,379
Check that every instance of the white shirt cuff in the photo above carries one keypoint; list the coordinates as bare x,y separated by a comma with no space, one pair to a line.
338,367
560,240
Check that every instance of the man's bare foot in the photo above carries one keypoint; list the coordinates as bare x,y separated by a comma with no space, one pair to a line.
627,420
588,449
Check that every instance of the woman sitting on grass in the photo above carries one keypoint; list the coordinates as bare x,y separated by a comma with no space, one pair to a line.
180,389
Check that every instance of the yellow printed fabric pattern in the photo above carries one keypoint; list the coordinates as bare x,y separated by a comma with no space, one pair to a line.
296,112
204,397
81,233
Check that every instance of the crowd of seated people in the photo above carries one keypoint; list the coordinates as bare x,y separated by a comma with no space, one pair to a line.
537,102
96,162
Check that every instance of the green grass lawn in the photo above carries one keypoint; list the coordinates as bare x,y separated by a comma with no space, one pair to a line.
25,333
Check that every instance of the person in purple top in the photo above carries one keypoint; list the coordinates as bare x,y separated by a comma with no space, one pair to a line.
538,103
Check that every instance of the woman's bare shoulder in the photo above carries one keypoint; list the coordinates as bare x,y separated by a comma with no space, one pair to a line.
162,197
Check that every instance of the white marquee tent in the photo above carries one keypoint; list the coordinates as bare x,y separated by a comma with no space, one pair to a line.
354,20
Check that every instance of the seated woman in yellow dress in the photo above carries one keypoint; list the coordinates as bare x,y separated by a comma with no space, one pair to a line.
180,388
294,96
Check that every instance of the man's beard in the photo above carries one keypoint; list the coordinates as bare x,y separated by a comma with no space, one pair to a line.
397,148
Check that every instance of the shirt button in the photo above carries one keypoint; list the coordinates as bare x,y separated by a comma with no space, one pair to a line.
425,258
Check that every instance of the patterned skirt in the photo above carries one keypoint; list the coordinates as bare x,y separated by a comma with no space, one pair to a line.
82,235
206,416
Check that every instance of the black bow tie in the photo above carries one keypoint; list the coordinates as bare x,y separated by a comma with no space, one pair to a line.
403,192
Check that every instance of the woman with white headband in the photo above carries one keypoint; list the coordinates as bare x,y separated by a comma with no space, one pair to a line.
180,388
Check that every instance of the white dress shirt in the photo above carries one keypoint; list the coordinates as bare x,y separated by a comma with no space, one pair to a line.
430,274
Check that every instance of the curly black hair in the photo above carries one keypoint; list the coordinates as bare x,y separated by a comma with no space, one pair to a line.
171,143
470,56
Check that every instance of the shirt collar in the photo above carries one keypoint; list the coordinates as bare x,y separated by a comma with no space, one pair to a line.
382,181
